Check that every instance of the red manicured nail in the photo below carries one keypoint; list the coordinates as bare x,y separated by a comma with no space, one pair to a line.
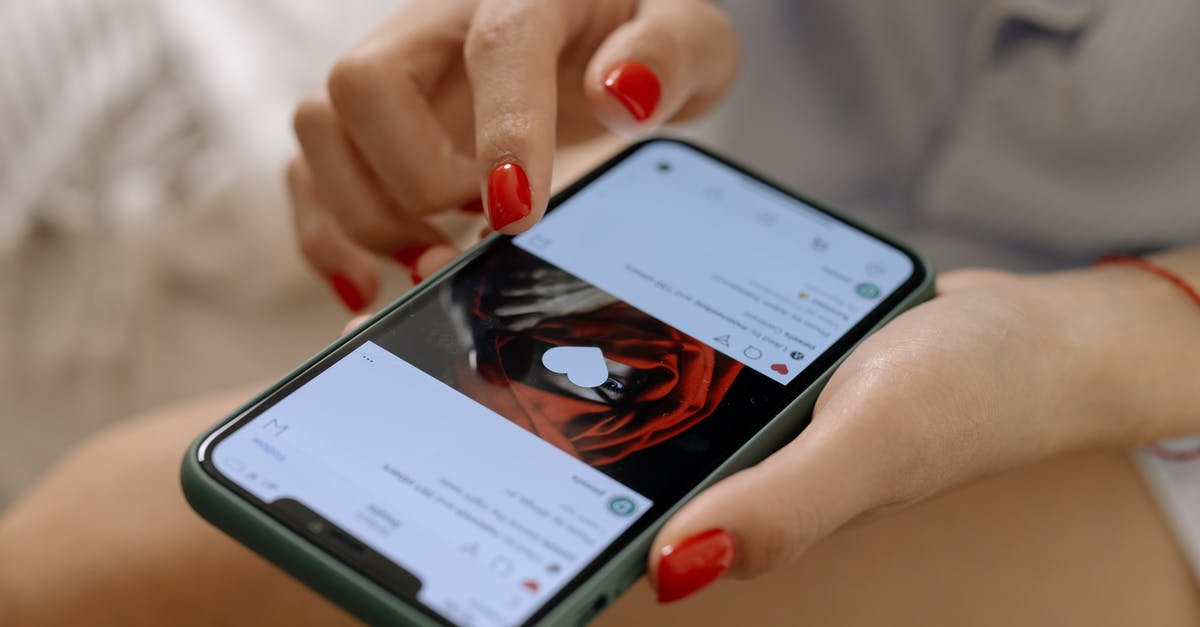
637,87
690,565
475,206
351,297
509,198
416,278
409,255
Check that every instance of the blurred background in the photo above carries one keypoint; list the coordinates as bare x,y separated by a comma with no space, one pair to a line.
146,247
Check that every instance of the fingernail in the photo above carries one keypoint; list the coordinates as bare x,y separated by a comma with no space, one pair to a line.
351,297
409,255
508,195
694,563
416,278
475,206
637,87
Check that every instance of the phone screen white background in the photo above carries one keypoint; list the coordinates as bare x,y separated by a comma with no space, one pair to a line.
754,273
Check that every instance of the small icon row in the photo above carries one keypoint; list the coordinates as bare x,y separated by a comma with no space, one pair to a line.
501,566
236,466
754,353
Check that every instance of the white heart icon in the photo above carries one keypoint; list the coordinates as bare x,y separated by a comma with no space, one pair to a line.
583,365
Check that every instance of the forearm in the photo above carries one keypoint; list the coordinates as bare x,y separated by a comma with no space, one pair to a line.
1136,339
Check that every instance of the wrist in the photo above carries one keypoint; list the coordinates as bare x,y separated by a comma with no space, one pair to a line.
1133,353
1035,327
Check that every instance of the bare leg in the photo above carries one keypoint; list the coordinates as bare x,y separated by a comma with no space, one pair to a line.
106,538
1076,541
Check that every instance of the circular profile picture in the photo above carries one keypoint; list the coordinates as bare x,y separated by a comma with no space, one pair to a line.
867,290
621,506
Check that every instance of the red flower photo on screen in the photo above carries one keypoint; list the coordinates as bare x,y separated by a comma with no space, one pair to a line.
660,381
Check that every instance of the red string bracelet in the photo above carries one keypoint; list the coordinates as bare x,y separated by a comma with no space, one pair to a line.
1160,450
1153,268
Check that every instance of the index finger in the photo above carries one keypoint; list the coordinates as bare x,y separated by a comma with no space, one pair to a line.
511,58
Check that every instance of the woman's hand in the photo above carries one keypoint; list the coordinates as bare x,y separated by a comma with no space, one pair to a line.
459,104
999,370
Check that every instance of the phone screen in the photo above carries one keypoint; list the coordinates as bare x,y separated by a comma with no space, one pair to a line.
483,447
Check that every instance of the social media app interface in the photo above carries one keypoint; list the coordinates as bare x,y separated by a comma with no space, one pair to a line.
490,518
750,271
527,411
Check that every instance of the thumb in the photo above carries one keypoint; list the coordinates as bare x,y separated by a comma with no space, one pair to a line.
767,515
674,59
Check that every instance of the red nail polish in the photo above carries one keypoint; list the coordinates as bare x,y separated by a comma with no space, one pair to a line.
414,277
637,87
690,565
508,195
475,206
408,255
349,294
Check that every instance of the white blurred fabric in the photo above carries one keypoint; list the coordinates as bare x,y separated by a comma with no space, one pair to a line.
146,251
1020,133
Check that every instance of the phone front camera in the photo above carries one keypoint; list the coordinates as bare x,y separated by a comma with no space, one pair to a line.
664,166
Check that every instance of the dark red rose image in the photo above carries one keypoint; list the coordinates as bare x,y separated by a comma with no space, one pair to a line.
664,383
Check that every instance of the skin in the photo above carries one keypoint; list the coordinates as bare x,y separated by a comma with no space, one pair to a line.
475,85
1001,370
105,538
1020,548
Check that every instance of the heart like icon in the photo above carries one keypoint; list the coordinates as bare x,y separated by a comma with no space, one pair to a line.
780,368
583,365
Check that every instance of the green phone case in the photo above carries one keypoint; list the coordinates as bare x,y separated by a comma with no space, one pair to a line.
372,603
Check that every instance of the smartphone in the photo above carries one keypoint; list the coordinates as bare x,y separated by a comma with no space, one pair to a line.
499,446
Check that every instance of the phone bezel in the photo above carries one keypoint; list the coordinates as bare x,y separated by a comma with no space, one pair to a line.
660,509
